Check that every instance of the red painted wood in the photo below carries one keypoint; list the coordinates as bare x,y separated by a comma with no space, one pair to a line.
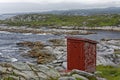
81,54
75,55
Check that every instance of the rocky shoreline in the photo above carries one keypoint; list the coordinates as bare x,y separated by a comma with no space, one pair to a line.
110,28
49,68
24,29
28,71
51,63
55,69
71,30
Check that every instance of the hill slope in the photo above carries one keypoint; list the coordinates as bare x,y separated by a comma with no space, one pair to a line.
34,20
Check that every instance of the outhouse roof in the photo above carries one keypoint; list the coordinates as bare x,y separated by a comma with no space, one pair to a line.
81,39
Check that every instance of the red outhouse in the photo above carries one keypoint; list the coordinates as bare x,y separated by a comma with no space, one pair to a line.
81,54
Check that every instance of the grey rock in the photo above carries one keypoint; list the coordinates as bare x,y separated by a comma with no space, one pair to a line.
49,71
31,74
21,66
42,75
101,78
82,73
67,78
64,65
21,74
75,71
59,69
79,77
108,59
27,71
2,69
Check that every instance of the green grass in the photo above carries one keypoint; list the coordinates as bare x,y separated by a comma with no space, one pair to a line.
35,20
117,51
8,78
78,79
109,72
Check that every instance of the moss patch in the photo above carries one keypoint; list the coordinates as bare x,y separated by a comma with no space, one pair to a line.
109,72
57,41
29,44
117,51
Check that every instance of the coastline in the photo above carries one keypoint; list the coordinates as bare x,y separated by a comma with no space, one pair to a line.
52,59
111,28
53,30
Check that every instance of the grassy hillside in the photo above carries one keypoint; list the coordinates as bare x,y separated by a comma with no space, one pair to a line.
34,20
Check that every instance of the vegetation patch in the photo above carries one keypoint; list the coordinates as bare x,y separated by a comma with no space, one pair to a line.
29,44
35,20
43,56
109,72
8,78
37,51
117,51
57,42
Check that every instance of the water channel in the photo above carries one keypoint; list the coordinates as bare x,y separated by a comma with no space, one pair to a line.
9,51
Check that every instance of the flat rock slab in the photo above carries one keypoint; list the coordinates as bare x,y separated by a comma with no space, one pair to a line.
26,71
